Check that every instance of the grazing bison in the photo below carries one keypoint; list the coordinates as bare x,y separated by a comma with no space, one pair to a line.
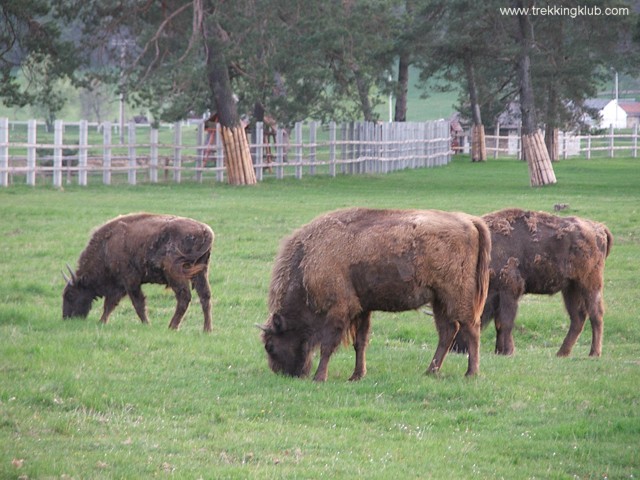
142,248
536,252
332,273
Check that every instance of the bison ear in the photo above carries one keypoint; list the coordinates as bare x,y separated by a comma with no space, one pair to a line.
278,322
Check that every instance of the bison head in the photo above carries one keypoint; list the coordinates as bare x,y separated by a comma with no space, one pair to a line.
76,299
288,349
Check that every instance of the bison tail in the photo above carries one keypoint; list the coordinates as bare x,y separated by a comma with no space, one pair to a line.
482,267
189,265
609,241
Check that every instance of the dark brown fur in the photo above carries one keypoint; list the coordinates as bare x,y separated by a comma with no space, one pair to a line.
536,252
131,250
332,273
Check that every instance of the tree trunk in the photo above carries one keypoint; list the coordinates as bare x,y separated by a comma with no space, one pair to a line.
478,145
551,142
363,92
234,139
540,167
400,114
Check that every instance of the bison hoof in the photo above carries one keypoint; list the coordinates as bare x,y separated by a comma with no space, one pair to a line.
507,353
356,377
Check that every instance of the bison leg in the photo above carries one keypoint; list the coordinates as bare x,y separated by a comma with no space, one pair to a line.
183,297
447,331
331,336
471,332
596,312
579,303
110,303
504,320
574,303
137,298
201,284
360,345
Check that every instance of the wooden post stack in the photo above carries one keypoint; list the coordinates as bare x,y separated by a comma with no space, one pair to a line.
535,152
238,156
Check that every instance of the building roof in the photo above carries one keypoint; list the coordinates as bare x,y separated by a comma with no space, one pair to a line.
632,108
597,103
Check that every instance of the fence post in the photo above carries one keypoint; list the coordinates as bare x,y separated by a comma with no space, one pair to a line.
259,151
32,135
635,141
83,151
332,149
611,141
4,152
278,158
313,147
588,147
106,153
201,141
219,154
58,129
132,173
177,152
384,147
497,141
297,138
153,155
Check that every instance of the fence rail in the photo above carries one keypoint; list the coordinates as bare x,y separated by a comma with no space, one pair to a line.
86,153
622,142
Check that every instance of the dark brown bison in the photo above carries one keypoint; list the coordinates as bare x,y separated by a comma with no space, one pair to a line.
332,273
536,252
142,248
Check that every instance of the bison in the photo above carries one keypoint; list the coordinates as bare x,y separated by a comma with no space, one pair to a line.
333,272
142,248
536,252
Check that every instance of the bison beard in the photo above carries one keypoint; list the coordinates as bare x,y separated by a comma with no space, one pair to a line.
536,252
131,250
332,273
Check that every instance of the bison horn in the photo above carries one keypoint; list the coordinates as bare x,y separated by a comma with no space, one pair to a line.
73,275
262,327
66,279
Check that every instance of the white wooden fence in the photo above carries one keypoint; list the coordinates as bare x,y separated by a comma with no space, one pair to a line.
86,153
609,144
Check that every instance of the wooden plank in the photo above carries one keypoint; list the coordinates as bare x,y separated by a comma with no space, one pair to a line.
32,133
4,152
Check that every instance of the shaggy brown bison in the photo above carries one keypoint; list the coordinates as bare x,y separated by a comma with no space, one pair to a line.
142,248
332,273
536,252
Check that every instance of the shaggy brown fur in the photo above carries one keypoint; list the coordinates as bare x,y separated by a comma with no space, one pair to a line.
142,248
332,273
536,252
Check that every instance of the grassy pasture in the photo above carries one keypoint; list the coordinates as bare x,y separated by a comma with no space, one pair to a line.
82,400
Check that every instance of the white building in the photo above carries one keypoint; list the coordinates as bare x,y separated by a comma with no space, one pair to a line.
610,113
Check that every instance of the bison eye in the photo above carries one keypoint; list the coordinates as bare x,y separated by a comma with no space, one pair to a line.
277,323
269,347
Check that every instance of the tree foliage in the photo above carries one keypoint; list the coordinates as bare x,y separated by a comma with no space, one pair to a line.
296,59
34,46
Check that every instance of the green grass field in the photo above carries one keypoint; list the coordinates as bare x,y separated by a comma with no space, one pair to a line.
123,400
